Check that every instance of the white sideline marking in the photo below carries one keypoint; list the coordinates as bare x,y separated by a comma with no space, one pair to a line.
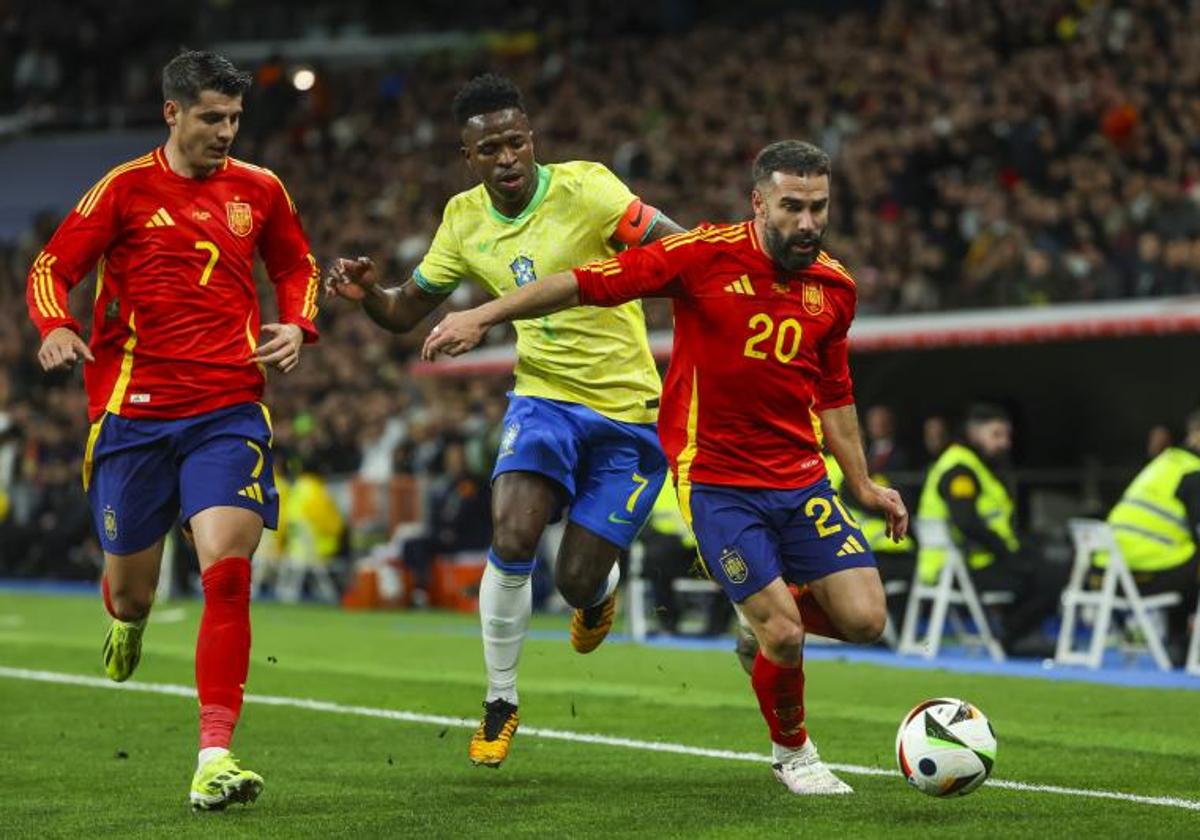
557,734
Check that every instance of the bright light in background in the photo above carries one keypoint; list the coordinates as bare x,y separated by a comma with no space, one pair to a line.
303,79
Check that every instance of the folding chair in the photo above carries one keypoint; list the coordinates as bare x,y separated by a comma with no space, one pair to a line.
952,589
1117,592
1193,657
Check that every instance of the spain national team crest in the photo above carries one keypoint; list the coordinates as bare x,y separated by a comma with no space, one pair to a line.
241,220
110,523
522,269
814,298
733,565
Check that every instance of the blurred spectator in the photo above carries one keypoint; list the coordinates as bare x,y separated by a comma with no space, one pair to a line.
1157,439
935,435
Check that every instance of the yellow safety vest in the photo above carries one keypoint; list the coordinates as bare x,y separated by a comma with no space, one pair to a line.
874,526
992,501
1150,522
666,518
314,522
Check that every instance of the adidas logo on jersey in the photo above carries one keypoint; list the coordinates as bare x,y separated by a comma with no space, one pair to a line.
161,218
851,546
740,286
252,491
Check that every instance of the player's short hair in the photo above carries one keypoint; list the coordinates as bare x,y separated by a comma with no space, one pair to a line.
484,95
794,157
985,413
193,71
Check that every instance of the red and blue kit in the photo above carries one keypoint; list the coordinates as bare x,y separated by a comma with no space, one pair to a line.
757,352
175,322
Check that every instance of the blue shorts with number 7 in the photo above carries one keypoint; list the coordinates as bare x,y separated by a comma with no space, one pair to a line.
748,537
610,471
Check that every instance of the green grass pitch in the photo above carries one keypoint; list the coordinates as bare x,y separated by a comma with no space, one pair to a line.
84,761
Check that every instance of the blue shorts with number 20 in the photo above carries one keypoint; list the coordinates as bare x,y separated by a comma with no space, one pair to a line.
611,471
748,537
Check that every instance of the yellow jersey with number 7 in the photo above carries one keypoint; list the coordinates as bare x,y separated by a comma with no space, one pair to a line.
593,356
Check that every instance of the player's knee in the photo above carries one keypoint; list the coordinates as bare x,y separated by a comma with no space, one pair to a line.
129,605
866,625
577,588
514,544
783,640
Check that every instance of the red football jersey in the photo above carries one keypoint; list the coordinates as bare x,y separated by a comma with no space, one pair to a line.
176,315
757,350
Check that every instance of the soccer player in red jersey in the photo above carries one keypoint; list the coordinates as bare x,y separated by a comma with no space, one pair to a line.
758,370
174,373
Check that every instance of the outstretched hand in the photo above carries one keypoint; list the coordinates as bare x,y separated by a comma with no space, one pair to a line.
888,502
350,279
282,349
62,348
456,334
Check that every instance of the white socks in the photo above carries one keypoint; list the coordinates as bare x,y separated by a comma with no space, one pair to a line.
610,585
505,603
208,754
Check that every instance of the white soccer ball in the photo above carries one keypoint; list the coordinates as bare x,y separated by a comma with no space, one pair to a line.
945,747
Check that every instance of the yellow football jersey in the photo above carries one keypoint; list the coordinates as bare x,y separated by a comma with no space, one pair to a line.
595,356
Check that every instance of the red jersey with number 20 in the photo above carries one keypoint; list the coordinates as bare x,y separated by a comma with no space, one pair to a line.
757,350
176,314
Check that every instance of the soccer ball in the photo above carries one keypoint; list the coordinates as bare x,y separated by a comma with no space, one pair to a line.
945,747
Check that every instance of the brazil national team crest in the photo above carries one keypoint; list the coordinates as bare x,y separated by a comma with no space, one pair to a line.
733,565
522,269
508,443
814,298
241,220
110,523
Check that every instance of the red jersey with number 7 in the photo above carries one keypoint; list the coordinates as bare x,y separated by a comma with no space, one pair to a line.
757,351
176,314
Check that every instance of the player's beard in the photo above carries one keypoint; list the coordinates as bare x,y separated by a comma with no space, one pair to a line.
780,248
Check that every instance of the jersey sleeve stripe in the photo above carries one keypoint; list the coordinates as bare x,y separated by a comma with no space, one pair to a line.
310,294
43,287
90,199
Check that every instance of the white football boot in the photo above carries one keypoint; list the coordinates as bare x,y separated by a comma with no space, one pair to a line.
802,772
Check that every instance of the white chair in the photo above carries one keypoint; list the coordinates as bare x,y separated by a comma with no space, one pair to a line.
952,589
635,593
1118,592
1193,657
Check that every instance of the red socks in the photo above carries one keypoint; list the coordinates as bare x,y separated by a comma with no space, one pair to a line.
780,692
108,604
223,649
814,618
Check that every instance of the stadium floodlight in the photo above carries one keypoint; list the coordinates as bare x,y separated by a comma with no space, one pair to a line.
303,78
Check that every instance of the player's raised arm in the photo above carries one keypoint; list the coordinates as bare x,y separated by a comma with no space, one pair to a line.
397,309
80,240
461,331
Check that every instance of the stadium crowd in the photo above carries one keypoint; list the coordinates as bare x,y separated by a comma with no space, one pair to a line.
985,154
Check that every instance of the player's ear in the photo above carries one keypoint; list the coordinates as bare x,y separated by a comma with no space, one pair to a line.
171,112
758,203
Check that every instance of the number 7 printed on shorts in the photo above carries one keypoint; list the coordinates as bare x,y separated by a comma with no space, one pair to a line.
631,503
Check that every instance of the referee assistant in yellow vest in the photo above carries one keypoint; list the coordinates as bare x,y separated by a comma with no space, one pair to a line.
1156,524
964,488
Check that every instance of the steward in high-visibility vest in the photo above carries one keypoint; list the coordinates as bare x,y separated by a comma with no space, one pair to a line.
963,490
982,519
1151,522
1157,526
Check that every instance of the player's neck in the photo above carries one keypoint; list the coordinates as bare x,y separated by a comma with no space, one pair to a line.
178,162
515,207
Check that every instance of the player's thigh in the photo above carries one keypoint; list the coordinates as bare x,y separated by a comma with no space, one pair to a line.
622,470
773,617
854,600
736,541
132,484
227,482
523,503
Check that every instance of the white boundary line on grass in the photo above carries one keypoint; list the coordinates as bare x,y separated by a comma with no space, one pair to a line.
556,734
